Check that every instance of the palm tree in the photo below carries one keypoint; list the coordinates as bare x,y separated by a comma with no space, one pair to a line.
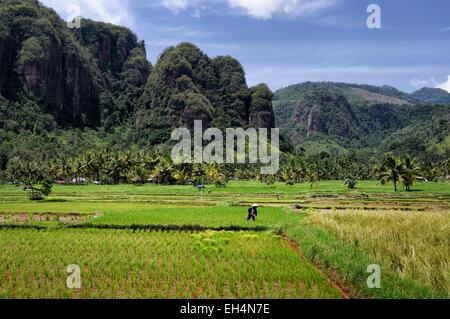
65,169
137,175
115,168
391,171
93,163
289,172
299,172
441,171
198,173
30,172
77,169
162,173
411,170
313,174
216,175
288,175
181,175
128,161
53,168
14,169
212,172
350,183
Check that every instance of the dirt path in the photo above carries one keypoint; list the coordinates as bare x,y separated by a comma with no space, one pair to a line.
330,277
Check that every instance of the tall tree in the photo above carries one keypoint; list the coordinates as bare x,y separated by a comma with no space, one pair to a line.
411,170
391,170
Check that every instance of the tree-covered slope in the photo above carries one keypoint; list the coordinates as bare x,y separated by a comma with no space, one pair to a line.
83,77
63,91
68,90
340,118
187,85
123,65
99,76
434,96
42,63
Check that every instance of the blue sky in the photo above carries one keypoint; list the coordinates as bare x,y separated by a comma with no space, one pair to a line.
283,42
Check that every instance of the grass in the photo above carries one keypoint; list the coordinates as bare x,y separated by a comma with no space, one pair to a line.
126,264
234,188
209,217
146,214
412,245
347,265
174,242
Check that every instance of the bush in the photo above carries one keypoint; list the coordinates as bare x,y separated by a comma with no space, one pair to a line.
350,183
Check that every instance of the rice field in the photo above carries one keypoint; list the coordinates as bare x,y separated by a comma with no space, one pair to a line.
126,264
413,245
175,242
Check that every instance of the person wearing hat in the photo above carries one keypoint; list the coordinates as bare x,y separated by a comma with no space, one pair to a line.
253,212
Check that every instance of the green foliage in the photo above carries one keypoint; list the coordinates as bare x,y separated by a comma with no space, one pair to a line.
365,120
139,167
47,186
123,68
172,219
55,81
33,50
90,76
350,183
207,265
186,85
261,112
405,170
391,171
434,96
26,118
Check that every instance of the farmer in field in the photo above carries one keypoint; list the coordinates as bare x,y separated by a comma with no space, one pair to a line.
253,212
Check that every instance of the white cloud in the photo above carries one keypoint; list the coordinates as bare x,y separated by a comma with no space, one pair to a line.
265,9
196,14
176,6
304,7
111,11
446,85
418,83
261,9
425,82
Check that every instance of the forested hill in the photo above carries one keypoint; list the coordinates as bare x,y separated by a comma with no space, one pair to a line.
434,96
96,76
52,75
187,85
338,118
65,91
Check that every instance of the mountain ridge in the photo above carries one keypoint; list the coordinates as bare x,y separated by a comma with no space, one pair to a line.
338,117
432,95
65,91
98,75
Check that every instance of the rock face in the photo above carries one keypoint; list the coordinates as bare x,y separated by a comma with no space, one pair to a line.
261,110
338,117
121,66
115,49
60,81
43,63
68,73
98,75
324,111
